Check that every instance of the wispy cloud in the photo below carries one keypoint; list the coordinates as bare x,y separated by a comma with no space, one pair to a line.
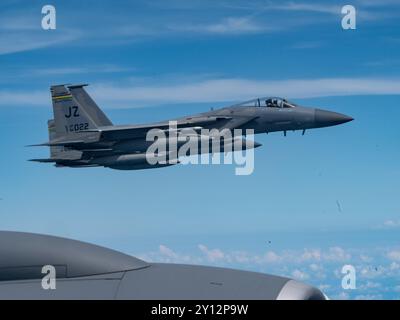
19,41
369,10
223,90
306,7
307,45
17,22
392,223
389,224
218,91
378,3
394,255
383,63
108,68
17,98
20,30
229,25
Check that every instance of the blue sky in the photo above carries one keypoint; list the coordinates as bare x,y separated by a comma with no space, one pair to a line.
148,62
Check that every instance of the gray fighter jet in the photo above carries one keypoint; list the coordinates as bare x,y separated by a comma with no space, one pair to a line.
80,135
34,266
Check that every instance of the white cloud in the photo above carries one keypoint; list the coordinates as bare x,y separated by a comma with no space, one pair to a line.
394,266
222,90
19,41
107,68
272,257
333,254
14,22
235,25
383,63
369,272
300,275
307,7
164,250
337,254
32,98
388,224
317,271
216,90
212,254
392,223
230,25
315,257
240,257
363,12
368,297
311,254
315,267
365,258
378,3
307,45
319,267
168,255
342,296
224,20
394,255
369,285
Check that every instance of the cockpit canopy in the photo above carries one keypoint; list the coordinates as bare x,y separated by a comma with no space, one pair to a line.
268,102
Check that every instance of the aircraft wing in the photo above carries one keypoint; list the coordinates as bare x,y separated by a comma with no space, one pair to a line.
115,133
112,133
237,122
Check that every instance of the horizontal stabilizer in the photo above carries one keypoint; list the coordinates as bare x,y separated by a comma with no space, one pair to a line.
44,160
57,144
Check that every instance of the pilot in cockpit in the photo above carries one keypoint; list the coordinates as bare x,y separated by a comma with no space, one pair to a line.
272,103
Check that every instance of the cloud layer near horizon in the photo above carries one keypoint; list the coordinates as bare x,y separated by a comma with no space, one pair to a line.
213,90
322,267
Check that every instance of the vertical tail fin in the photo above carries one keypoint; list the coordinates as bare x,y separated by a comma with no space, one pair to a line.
75,112
93,110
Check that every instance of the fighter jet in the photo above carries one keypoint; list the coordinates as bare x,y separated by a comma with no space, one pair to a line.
34,266
81,135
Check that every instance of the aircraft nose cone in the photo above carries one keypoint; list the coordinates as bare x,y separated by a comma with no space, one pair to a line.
325,118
